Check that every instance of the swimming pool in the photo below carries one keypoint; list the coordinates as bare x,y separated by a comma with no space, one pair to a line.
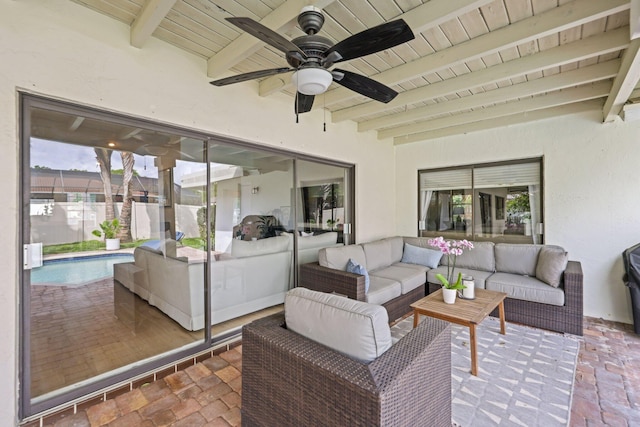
77,271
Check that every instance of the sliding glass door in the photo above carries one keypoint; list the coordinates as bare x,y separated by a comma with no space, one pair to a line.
112,255
143,244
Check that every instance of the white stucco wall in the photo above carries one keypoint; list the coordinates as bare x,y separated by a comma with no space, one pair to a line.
61,50
591,206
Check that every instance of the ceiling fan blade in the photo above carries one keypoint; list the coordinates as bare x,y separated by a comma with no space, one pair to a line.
364,85
303,103
266,34
373,40
249,76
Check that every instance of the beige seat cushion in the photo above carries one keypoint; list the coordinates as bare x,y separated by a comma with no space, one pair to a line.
525,288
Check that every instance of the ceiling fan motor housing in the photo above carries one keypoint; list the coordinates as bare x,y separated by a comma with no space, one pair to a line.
310,19
313,46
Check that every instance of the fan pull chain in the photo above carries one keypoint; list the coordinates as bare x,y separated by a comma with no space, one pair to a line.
297,100
324,112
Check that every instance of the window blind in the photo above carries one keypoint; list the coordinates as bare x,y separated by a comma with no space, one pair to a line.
446,180
507,175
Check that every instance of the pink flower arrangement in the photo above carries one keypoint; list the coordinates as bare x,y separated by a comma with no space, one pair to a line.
451,248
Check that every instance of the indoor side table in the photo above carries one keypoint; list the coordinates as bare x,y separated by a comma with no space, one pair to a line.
464,312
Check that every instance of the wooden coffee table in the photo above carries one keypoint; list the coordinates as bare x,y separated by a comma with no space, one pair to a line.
464,312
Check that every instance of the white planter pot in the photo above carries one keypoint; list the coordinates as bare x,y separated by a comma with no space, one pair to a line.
449,295
112,244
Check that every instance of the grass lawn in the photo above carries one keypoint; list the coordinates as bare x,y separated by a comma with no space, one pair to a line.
97,245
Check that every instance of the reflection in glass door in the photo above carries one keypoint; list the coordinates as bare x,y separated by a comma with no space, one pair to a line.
114,259
251,248
323,208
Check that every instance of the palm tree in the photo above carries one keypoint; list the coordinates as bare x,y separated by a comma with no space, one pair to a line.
127,197
103,156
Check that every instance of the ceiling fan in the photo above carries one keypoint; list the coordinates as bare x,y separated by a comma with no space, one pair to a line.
310,57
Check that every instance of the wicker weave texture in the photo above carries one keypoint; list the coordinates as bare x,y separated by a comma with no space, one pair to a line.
288,380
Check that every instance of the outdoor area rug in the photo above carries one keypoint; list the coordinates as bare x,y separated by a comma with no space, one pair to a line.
525,378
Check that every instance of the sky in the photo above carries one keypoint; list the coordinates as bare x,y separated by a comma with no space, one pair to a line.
56,155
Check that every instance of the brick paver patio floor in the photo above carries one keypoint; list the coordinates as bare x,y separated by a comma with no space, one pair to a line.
606,392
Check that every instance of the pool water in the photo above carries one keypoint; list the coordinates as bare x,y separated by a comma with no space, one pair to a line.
77,271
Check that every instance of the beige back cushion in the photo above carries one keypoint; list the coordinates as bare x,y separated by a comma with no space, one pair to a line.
481,257
378,254
338,257
519,258
354,328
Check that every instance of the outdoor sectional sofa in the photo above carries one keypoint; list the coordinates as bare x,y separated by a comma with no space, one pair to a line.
252,276
392,283
510,268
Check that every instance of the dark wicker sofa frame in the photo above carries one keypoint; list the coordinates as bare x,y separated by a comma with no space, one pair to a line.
289,380
323,279
566,318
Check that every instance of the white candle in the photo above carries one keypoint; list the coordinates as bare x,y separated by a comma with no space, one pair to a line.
469,291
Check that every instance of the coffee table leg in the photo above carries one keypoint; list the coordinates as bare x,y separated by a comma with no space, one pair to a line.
416,317
502,324
473,349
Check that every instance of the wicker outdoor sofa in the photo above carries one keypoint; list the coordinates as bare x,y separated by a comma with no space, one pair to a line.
291,380
566,318
509,268
393,284
323,279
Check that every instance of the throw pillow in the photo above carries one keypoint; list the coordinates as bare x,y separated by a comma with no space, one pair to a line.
551,264
354,267
422,256
305,234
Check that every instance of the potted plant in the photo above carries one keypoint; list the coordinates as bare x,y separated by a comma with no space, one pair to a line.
450,248
109,229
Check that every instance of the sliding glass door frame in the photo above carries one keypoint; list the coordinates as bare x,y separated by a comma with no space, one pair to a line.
27,406
92,387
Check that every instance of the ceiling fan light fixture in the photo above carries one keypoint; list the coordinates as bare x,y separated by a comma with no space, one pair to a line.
312,81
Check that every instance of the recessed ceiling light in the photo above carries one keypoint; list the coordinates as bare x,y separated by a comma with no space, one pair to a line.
111,144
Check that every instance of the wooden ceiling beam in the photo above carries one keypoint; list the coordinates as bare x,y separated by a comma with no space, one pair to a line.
420,18
245,45
503,122
150,17
567,96
577,77
624,83
564,54
550,22
634,20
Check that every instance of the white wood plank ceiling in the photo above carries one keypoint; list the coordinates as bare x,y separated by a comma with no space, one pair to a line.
474,64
